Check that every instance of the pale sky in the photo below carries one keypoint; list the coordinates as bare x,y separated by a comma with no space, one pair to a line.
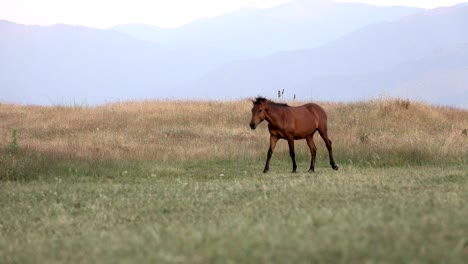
163,13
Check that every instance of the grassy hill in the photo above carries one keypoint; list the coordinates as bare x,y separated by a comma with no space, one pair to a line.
182,181
382,133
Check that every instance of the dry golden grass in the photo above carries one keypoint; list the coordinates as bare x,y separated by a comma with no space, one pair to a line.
132,131
385,129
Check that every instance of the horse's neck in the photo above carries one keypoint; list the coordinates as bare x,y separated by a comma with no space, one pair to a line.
275,115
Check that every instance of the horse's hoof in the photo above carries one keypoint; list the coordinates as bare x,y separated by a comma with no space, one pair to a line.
335,167
265,171
311,171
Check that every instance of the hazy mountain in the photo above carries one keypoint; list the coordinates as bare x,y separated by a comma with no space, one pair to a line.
420,56
63,63
372,60
295,25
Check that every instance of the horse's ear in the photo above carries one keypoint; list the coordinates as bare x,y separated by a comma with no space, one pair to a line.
253,101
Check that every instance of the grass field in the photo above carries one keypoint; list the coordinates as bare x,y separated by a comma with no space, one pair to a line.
181,182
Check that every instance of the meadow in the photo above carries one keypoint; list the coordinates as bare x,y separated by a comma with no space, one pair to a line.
182,182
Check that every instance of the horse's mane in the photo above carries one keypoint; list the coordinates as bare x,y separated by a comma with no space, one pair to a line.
260,100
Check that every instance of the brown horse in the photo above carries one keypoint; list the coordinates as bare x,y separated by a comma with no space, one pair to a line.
292,123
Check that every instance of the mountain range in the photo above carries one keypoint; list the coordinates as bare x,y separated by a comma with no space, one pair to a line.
314,50
259,32
375,59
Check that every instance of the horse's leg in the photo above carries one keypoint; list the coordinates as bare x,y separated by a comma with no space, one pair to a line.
313,152
273,141
292,154
323,133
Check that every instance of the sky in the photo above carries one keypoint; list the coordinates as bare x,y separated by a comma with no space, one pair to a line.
162,13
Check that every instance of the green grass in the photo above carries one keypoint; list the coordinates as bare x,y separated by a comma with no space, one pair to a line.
151,212
141,182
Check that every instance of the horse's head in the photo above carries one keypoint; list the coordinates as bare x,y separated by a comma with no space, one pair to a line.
258,111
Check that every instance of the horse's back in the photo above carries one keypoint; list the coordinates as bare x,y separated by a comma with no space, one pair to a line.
305,119
311,111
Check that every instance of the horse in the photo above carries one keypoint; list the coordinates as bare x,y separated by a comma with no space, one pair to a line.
292,123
